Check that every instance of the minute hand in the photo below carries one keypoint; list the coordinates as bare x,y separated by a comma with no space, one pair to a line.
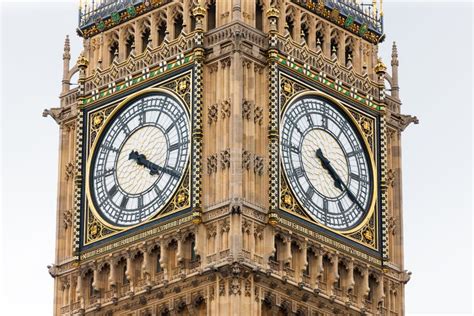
338,183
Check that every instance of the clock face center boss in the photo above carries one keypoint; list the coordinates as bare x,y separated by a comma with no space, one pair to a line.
138,159
327,162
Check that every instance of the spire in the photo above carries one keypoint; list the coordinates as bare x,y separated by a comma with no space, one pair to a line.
66,65
67,48
394,63
394,54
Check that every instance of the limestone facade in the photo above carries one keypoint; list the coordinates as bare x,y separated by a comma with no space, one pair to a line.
231,255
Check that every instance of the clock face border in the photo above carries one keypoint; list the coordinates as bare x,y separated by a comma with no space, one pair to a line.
121,107
355,238
171,84
363,141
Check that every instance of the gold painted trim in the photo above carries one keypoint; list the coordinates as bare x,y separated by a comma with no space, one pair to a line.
111,116
366,144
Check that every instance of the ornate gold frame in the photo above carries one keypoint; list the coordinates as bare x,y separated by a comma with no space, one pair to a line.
368,148
109,118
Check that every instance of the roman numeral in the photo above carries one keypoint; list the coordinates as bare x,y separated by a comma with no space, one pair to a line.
310,120
355,177
169,128
124,202
355,152
309,193
106,173
113,190
299,172
176,146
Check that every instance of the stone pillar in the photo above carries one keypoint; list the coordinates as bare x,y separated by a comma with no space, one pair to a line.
327,41
66,64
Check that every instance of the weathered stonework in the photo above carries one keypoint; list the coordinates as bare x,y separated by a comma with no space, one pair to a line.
234,250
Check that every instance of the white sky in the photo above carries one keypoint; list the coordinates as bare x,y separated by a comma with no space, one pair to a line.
435,51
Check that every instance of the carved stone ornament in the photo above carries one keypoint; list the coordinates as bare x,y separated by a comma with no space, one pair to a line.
258,115
234,287
246,109
69,170
221,287
212,164
67,218
225,158
258,165
225,108
212,113
246,159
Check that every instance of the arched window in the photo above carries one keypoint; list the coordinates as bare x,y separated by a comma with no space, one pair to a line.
259,15
145,38
129,45
124,274
161,32
113,51
211,15
290,25
178,25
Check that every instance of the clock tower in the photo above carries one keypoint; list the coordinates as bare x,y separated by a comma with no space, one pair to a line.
225,157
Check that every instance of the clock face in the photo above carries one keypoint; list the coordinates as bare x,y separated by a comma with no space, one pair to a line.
139,159
326,163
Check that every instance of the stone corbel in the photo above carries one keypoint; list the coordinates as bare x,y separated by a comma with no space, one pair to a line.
129,270
365,289
288,256
379,292
95,282
350,282
319,268
334,273
304,255
146,265
164,258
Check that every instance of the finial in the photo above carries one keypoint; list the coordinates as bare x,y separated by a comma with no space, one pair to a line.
67,48
334,53
82,61
380,67
349,60
381,8
303,39
318,45
394,54
287,29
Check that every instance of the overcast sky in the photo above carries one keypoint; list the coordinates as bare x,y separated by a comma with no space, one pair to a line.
435,49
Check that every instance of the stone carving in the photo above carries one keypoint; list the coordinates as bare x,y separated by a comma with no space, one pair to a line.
69,170
225,108
258,165
391,174
212,113
246,159
221,287
246,109
212,164
248,287
258,115
225,158
67,218
234,287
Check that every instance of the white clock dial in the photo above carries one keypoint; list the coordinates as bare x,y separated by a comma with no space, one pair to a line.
326,162
139,159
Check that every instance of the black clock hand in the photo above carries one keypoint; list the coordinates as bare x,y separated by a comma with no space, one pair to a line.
338,183
154,168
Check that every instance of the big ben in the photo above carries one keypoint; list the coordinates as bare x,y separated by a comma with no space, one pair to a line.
226,157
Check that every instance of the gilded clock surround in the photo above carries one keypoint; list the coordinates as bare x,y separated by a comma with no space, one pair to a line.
97,229
367,233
